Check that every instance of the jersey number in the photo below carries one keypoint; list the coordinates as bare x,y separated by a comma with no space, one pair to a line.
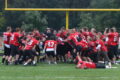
51,44
30,43
115,38
12,37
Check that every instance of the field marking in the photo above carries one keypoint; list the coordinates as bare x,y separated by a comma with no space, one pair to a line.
59,77
47,69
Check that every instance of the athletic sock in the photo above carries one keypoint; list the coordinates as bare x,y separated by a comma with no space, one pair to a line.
34,62
6,62
3,60
49,62
55,62
25,64
16,62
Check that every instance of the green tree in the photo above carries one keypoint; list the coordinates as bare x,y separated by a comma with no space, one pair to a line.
34,20
87,20
55,20
2,21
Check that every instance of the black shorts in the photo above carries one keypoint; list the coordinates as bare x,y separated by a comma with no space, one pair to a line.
14,50
113,51
35,53
85,53
6,51
21,52
61,49
50,53
94,57
78,48
29,54
118,51
100,65
37,49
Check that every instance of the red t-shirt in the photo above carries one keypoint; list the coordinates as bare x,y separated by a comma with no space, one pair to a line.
73,37
89,65
31,44
6,37
115,41
63,34
92,45
86,34
102,43
102,37
113,38
50,44
91,34
58,34
14,38
21,46
83,44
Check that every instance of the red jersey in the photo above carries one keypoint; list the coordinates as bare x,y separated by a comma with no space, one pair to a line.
102,45
6,37
63,34
89,65
50,45
118,40
83,44
74,37
86,34
81,36
30,45
37,34
92,45
29,37
91,34
58,34
14,38
21,47
60,40
113,38
102,37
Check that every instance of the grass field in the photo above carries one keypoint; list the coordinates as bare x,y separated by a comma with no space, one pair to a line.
56,72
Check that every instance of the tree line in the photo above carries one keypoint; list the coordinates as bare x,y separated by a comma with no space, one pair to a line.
40,20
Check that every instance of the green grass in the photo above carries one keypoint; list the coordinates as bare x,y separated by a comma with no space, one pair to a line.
56,72
1,51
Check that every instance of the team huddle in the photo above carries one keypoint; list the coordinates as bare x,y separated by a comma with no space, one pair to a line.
85,47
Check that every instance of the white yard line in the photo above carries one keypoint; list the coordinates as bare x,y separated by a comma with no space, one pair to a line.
59,77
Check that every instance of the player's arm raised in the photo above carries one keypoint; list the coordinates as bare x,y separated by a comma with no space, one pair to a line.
44,48
55,49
